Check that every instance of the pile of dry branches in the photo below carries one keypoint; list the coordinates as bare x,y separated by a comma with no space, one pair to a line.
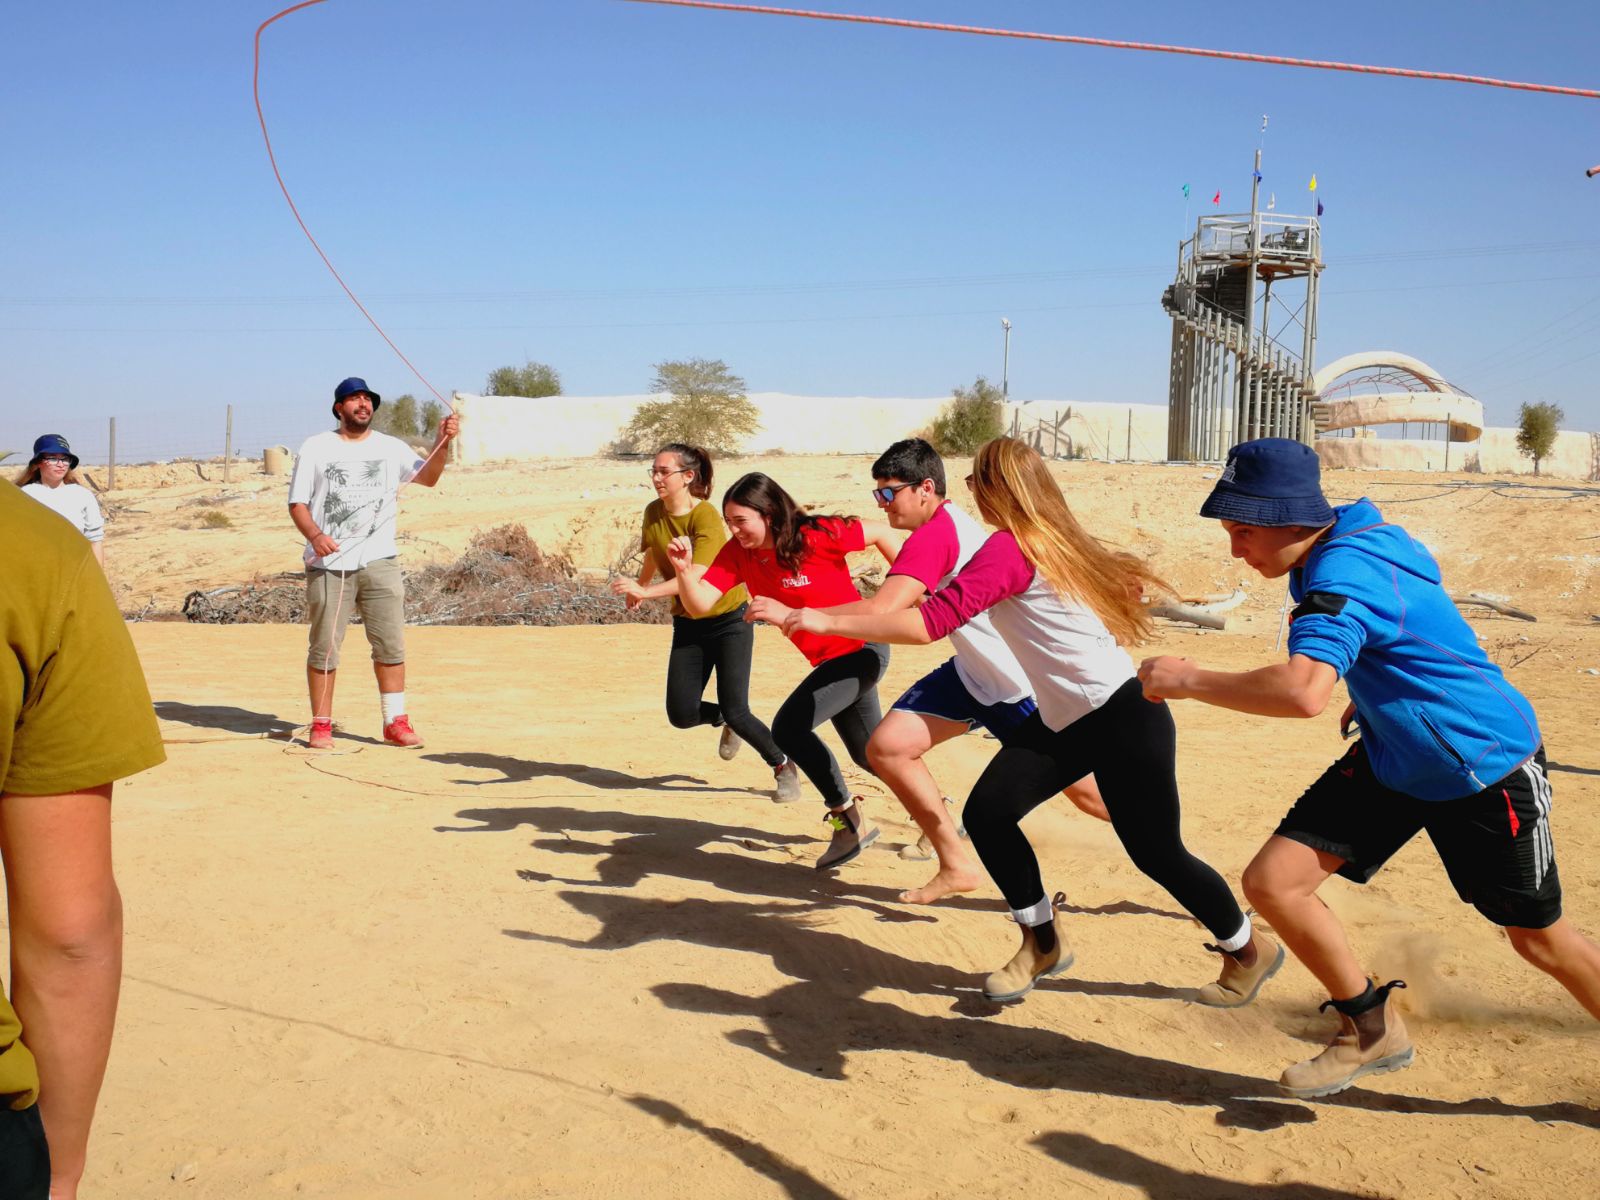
502,579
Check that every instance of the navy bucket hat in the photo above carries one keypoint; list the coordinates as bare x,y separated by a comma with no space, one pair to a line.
53,443
1271,482
351,387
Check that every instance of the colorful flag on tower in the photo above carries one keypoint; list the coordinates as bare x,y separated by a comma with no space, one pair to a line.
1319,208
1217,199
1272,201
1186,191
1313,186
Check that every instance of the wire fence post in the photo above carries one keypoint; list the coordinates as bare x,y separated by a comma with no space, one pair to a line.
1129,453
111,457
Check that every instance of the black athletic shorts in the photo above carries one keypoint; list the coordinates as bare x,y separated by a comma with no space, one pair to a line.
24,1157
1495,845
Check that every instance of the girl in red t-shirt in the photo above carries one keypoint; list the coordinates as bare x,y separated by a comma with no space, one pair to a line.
782,552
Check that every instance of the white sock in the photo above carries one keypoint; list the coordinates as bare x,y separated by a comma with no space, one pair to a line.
1038,914
1239,940
394,705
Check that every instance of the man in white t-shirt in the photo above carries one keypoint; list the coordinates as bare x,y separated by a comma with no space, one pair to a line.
343,500
983,685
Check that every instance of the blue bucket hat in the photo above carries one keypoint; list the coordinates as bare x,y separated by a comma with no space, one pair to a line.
53,443
1271,482
351,387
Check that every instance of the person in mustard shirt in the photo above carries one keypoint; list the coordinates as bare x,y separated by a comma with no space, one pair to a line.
719,640
75,715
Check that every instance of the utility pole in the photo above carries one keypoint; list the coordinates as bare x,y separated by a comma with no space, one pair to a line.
111,457
1005,364
227,449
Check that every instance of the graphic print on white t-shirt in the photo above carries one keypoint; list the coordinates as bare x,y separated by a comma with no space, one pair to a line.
351,488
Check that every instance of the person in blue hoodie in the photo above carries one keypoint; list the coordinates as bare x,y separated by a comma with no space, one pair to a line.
1446,745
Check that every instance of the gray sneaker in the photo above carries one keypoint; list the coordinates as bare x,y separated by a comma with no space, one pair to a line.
788,779
852,833
728,744
923,850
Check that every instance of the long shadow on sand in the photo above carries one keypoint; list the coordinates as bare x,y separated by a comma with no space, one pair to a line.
222,716
1570,769
813,1024
727,857
794,1181
520,770
1161,1182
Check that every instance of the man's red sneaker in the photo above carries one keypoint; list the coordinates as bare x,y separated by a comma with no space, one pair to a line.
321,735
398,732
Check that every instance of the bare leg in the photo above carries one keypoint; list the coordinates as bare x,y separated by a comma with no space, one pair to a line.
1282,882
895,752
1086,795
1563,953
319,684
391,676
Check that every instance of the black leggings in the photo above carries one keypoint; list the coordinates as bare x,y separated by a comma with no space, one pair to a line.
843,690
723,644
1129,744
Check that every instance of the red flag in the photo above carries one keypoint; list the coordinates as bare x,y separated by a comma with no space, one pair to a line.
1217,199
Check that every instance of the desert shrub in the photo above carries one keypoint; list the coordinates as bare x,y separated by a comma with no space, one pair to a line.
706,406
972,417
215,518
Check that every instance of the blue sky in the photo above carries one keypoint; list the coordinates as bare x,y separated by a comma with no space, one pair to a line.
831,209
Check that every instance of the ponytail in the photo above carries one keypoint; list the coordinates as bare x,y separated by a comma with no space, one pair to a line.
696,459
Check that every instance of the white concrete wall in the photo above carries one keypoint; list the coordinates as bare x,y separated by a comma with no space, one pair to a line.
512,427
1575,455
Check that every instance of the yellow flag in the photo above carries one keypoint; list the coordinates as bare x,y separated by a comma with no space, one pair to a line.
1313,184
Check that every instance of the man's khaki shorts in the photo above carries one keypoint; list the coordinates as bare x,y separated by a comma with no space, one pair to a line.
377,591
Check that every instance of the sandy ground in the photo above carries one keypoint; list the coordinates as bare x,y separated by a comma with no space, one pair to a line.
566,951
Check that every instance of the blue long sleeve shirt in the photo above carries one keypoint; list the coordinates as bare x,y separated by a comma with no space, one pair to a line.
1439,720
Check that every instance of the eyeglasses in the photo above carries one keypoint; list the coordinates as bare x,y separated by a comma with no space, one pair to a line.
886,495
55,458
657,473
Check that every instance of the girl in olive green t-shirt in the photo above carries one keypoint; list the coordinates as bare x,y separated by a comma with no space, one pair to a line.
720,641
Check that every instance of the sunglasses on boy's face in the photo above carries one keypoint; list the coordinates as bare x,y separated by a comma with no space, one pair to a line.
886,495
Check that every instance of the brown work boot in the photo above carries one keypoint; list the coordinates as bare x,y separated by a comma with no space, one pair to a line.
923,850
852,833
1238,984
1372,1041
1029,964
728,743
786,777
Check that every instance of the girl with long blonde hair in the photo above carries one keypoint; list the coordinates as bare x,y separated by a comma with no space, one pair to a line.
1066,605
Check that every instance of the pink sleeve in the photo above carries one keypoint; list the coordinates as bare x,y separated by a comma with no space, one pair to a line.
929,553
996,572
724,573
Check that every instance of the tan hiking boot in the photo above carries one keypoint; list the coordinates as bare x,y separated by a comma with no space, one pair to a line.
923,850
786,779
1238,984
1028,965
1367,1043
852,833
728,744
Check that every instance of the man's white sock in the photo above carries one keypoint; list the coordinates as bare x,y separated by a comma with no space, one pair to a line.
394,705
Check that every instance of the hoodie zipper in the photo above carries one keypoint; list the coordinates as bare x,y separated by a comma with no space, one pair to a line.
1448,748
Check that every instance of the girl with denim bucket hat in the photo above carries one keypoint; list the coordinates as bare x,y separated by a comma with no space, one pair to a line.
1447,745
51,478
1065,605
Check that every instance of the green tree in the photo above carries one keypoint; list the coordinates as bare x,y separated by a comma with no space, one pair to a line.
398,416
1537,427
532,379
430,416
972,418
707,407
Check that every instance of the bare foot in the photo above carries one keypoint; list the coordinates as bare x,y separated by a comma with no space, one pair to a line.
948,881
